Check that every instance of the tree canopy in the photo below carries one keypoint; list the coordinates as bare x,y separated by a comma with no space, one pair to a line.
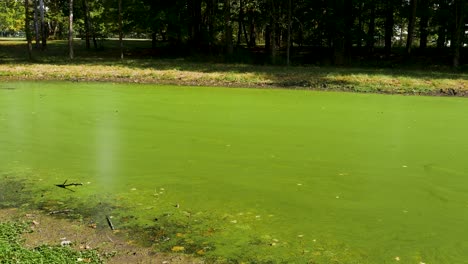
322,31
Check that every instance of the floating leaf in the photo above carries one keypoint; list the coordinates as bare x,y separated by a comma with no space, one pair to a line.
177,248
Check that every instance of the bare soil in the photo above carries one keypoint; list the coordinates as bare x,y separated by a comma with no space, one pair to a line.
112,245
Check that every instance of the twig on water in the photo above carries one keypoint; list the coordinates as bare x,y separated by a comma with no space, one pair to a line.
64,185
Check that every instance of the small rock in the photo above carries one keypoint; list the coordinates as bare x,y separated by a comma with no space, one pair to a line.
65,243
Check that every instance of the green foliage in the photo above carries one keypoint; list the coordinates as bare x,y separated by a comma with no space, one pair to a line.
201,26
11,16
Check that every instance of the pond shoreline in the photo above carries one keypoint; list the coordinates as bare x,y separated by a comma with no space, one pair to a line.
354,80
111,246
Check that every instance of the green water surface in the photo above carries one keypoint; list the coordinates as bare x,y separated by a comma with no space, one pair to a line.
260,175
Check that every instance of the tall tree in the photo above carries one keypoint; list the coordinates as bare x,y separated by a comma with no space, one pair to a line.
288,50
37,24
371,31
339,31
443,16
86,23
121,31
27,28
70,31
411,23
423,23
44,31
273,25
459,31
227,28
389,24
195,10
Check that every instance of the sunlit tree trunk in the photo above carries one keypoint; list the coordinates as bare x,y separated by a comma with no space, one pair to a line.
70,31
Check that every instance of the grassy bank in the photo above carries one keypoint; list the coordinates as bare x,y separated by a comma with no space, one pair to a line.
102,65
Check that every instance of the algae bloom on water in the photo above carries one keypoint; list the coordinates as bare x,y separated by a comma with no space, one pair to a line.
328,175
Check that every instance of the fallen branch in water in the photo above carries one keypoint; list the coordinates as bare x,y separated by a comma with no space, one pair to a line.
64,185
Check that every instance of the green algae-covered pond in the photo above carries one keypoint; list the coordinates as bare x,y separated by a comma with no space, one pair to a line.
246,175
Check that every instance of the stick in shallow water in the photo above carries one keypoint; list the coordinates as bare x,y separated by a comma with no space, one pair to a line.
64,185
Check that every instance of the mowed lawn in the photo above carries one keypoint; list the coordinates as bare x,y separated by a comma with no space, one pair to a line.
269,175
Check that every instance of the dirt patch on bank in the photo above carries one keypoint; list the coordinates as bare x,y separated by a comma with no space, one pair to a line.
113,246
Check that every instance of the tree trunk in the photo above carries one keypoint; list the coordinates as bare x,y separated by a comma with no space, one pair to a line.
339,31
459,31
389,23
211,18
194,8
442,23
36,25
70,31
86,23
43,25
268,38
153,40
239,22
348,16
121,31
91,26
273,33
371,32
27,28
228,28
423,24
359,35
253,33
412,19
288,50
